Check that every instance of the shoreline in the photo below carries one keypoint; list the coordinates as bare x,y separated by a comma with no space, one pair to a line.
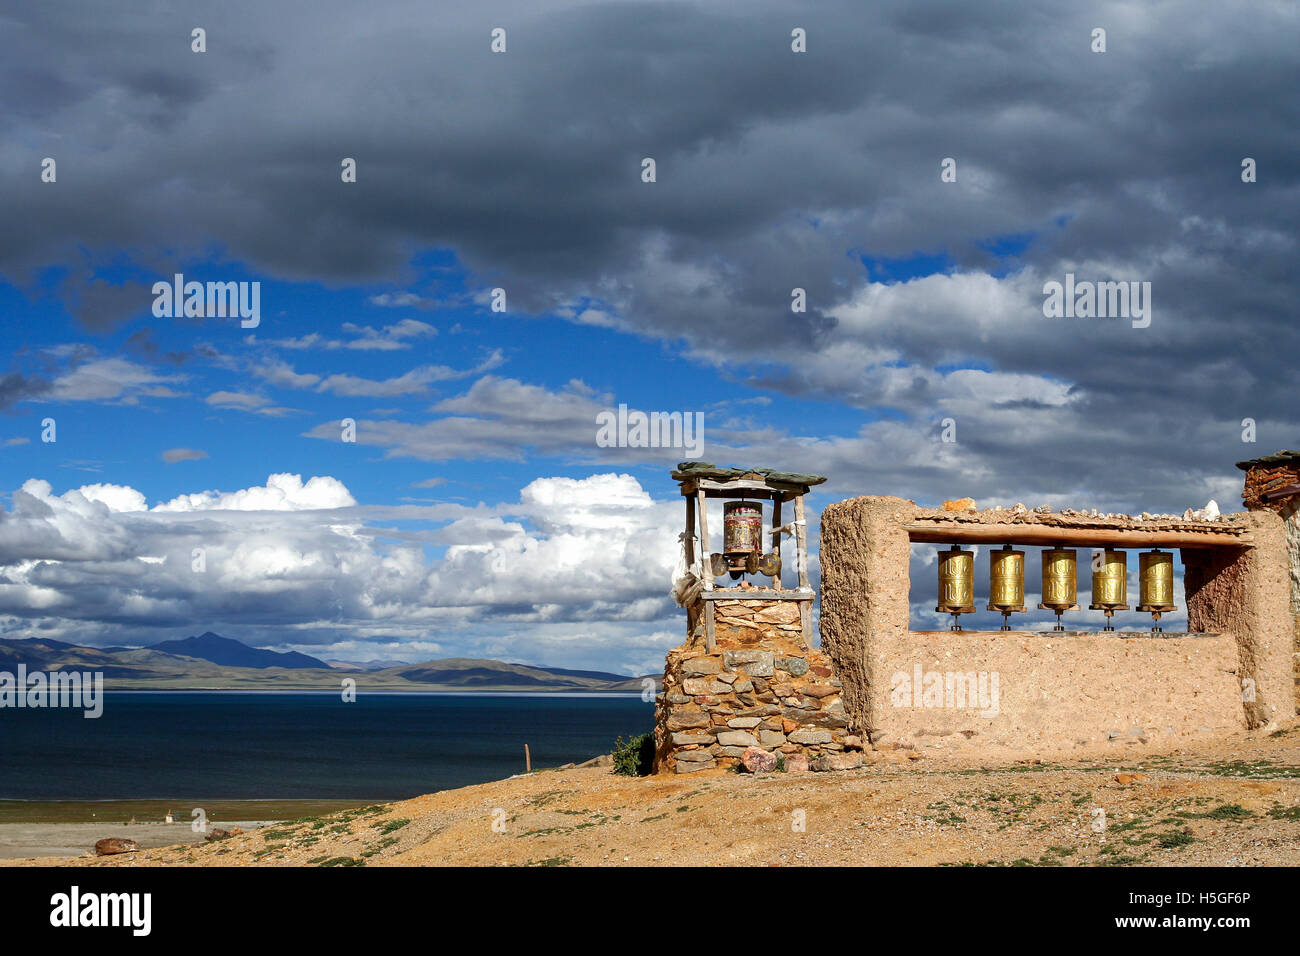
117,813
31,829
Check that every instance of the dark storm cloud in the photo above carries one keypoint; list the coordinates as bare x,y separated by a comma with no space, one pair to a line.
775,170
14,388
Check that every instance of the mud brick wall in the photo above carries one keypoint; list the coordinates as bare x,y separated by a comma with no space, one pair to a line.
1056,690
1244,592
1261,478
762,689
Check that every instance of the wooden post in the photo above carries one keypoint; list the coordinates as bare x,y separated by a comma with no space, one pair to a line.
776,538
690,533
704,567
801,562
528,760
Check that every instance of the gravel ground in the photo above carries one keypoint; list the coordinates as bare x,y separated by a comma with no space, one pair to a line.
1233,802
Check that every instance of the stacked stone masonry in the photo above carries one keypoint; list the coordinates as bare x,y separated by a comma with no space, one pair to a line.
762,698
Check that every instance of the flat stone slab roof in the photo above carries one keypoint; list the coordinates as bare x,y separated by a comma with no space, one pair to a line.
1284,457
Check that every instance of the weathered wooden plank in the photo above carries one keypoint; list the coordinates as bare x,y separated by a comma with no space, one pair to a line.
737,489
732,594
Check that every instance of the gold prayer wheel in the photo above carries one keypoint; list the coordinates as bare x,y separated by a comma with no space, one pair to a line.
1156,574
1006,583
956,583
1060,582
1109,583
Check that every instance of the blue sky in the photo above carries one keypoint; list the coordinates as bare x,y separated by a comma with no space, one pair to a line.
121,439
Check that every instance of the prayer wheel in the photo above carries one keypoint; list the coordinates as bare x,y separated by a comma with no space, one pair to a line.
742,528
1109,583
1156,575
742,536
1006,582
1060,582
956,583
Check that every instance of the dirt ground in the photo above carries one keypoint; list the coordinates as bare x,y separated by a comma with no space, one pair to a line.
1235,802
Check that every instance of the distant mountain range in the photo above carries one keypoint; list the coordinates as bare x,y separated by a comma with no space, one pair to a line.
211,662
230,653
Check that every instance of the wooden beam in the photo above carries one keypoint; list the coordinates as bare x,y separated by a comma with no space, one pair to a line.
973,533
1285,492
738,489
732,594
705,570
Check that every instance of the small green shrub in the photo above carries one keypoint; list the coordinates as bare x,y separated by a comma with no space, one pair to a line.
635,757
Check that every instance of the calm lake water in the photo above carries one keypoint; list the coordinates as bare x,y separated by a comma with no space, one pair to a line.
299,746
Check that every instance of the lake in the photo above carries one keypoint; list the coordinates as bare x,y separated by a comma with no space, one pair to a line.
300,746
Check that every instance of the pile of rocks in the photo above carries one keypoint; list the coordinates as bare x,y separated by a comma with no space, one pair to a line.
1268,474
763,700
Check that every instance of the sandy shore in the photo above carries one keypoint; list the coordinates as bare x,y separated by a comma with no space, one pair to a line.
74,839
1233,802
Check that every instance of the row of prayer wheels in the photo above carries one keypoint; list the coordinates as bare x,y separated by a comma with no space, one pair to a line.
1060,583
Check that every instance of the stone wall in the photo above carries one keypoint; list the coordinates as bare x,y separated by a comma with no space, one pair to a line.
761,697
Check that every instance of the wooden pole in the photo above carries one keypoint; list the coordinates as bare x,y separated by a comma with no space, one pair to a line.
528,760
690,533
776,539
801,563
707,571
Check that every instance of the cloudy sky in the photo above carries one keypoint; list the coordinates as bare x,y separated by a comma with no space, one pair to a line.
475,514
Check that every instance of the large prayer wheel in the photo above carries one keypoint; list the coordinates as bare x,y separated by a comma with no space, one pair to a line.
1109,583
956,583
1006,582
1060,582
1156,577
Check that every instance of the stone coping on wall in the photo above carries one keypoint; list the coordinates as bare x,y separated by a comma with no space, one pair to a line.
1236,523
